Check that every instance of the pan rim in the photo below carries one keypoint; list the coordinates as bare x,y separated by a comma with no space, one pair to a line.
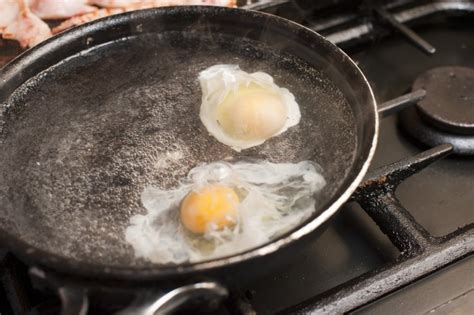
66,266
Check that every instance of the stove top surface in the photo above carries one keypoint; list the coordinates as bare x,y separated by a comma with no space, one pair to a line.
440,197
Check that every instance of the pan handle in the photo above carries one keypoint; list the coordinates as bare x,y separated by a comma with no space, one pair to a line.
153,303
73,301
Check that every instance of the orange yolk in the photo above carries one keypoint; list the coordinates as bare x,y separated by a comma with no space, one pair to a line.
213,206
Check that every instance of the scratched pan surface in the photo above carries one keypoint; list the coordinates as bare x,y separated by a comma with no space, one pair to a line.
113,107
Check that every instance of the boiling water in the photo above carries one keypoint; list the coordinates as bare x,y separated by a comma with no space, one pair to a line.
81,140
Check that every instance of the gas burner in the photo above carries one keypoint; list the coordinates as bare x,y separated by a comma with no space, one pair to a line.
446,114
449,101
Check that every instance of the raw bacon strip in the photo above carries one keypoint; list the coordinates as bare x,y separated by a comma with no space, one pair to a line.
81,19
141,4
20,19
9,11
114,3
133,5
59,9
21,24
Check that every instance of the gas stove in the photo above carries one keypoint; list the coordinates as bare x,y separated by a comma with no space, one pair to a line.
405,243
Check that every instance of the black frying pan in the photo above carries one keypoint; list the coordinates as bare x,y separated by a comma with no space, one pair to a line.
88,114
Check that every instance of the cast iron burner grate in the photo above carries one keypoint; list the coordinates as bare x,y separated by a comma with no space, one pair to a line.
420,252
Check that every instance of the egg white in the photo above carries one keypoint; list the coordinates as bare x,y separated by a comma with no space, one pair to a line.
216,83
276,197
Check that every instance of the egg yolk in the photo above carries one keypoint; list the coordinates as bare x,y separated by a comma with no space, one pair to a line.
252,113
213,206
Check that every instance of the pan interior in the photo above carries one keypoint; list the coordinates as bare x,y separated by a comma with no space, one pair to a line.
82,139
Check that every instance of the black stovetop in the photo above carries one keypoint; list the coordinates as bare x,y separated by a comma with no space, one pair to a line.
440,198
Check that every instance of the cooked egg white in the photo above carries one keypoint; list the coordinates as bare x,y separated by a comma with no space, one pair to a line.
222,208
242,109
